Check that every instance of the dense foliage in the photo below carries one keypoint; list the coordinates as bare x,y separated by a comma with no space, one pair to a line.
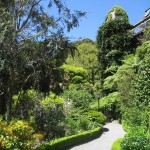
114,41
31,43
86,57
74,74
124,74
33,48
134,89
47,91
79,116
136,143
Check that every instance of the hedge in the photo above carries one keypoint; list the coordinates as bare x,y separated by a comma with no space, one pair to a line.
65,142
117,144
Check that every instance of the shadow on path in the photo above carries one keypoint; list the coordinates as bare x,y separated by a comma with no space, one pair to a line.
105,130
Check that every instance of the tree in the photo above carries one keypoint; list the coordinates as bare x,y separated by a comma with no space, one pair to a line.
23,24
133,85
74,74
114,41
141,86
86,57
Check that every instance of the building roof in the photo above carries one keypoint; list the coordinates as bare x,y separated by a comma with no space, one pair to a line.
147,12
144,19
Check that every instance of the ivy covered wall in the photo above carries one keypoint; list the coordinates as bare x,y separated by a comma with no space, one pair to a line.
114,42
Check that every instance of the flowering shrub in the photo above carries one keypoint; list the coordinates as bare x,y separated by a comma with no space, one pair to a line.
18,135
136,143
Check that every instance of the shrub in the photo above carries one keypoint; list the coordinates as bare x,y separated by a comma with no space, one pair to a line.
65,142
77,79
85,123
72,126
94,105
49,116
45,113
110,102
136,143
24,103
72,71
18,135
53,101
95,116
134,129
79,98
117,144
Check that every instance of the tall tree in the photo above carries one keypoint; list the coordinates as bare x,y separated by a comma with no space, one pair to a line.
23,24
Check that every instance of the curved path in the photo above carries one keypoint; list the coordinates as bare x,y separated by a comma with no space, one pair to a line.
111,132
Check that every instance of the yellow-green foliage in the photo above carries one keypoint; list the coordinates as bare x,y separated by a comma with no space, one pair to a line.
25,95
117,144
24,103
71,72
18,135
95,116
65,142
112,69
119,12
86,57
52,100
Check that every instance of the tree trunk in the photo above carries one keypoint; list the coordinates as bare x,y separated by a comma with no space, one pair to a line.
3,103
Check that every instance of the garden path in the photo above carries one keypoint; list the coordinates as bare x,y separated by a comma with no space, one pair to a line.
111,132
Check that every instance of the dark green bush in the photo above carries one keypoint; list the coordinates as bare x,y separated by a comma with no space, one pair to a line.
136,143
65,142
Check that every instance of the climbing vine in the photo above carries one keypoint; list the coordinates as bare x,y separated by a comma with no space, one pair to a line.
114,41
119,12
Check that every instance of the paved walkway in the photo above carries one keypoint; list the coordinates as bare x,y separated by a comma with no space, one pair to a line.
112,131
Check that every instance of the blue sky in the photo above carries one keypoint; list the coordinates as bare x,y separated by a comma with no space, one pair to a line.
98,9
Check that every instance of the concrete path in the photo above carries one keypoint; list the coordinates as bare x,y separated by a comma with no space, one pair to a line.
112,131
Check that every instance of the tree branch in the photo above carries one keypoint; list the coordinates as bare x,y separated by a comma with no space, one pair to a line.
29,15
